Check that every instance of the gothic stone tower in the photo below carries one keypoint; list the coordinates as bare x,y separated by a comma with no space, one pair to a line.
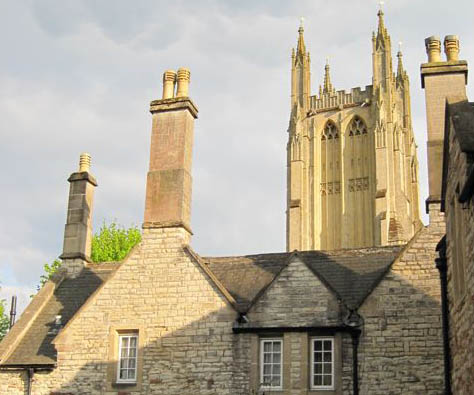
352,163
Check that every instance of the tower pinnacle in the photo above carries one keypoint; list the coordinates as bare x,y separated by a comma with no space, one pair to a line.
327,78
301,48
380,15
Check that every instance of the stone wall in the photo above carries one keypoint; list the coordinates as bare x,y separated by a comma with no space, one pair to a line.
461,310
401,343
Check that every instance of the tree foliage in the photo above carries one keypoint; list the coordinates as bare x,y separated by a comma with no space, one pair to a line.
4,320
112,243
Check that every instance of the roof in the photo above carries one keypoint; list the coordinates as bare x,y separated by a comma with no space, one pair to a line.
351,274
461,113
35,347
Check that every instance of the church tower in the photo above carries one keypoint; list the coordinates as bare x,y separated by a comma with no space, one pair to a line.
352,177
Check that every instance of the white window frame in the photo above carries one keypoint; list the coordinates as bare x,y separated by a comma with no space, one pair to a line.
262,344
119,357
322,387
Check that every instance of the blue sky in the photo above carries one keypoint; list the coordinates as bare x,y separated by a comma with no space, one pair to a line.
79,75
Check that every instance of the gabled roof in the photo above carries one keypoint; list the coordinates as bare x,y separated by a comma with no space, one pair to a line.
35,347
351,274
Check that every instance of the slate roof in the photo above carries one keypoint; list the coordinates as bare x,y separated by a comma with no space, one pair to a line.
36,348
351,274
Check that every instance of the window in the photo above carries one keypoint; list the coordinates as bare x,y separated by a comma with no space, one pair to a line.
322,363
127,358
357,127
271,363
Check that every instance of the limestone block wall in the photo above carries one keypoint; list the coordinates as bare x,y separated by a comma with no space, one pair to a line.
401,343
295,298
184,326
461,310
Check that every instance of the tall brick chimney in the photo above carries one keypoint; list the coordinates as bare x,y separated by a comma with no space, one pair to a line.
440,79
169,182
78,229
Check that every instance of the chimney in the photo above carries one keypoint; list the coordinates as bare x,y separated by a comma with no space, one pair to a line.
78,230
440,79
168,189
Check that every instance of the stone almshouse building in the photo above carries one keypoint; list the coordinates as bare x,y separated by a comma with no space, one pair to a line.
165,320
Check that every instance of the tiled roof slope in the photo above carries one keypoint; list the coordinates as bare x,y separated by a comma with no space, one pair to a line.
351,273
36,348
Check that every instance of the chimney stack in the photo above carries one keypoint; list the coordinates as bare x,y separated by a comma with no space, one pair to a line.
440,79
78,229
169,182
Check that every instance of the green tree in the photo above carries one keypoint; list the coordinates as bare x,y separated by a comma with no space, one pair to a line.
4,320
112,243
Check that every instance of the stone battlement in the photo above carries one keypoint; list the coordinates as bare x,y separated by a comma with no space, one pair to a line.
332,100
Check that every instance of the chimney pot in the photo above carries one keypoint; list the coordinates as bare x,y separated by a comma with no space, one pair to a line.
451,48
84,162
169,80
433,49
184,77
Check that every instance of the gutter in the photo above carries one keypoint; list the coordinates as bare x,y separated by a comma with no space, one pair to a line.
441,265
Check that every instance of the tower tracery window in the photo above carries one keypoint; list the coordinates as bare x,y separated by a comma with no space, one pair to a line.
357,127
330,132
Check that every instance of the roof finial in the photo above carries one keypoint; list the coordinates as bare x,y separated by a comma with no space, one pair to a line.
302,22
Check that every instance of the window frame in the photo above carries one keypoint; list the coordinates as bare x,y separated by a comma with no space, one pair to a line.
333,356
261,356
128,335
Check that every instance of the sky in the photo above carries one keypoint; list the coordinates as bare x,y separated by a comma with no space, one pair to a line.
78,75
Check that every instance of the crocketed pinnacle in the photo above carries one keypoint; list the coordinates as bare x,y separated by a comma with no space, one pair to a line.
301,48
400,63
327,79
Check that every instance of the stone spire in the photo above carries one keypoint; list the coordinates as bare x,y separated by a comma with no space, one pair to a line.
301,48
400,70
380,14
328,88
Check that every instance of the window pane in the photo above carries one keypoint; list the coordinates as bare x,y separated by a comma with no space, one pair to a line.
327,380
267,358
132,352
318,368
124,342
267,380
133,342
267,369
267,346
327,345
276,358
277,347
123,374
276,370
123,363
318,357
131,374
327,368
318,345
327,357
131,363
276,381
318,380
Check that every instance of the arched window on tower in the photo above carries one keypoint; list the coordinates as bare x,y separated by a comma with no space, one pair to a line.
357,127
330,131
